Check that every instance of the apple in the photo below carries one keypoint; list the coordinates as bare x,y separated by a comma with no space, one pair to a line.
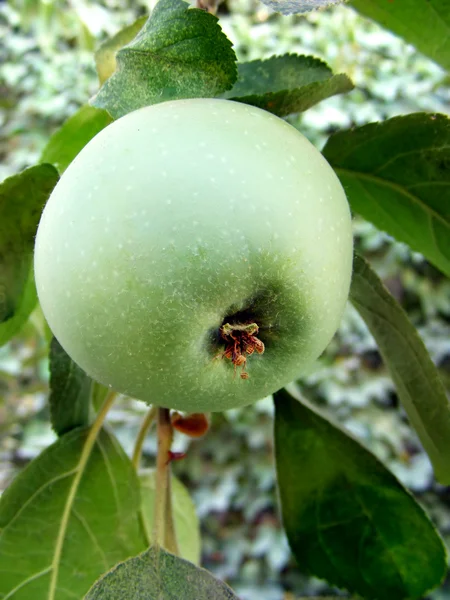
196,255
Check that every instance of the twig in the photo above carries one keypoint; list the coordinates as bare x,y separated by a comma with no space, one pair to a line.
162,505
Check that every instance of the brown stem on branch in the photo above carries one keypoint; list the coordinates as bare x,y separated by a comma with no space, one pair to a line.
163,526
210,6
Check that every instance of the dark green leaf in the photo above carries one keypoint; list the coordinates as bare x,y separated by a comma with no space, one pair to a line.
24,307
288,7
415,376
22,198
62,525
70,391
425,24
286,84
105,56
158,575
347,518
180,52
187,526
73,136
397,175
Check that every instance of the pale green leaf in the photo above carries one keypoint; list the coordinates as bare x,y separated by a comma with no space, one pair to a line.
187,526
64,523
288,7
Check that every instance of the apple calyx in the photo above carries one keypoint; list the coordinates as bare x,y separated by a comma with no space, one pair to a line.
240,341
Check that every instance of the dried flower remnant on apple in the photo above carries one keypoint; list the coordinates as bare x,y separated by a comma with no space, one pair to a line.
241,341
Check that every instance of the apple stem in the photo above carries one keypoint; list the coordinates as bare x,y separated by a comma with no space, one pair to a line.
163,525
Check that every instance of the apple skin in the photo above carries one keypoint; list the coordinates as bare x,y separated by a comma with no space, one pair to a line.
178,218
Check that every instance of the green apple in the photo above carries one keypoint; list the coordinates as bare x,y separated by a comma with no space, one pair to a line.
196,254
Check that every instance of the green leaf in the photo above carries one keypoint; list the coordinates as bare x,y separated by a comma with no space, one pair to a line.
22,198
187,525
288,7
158,575
23,309
63,524
99,393
70,391
286,84
180,52
348,520
416,378
426,25
73,136
397,175
105,56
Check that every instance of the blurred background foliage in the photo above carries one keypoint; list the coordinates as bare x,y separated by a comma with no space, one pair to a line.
47,71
